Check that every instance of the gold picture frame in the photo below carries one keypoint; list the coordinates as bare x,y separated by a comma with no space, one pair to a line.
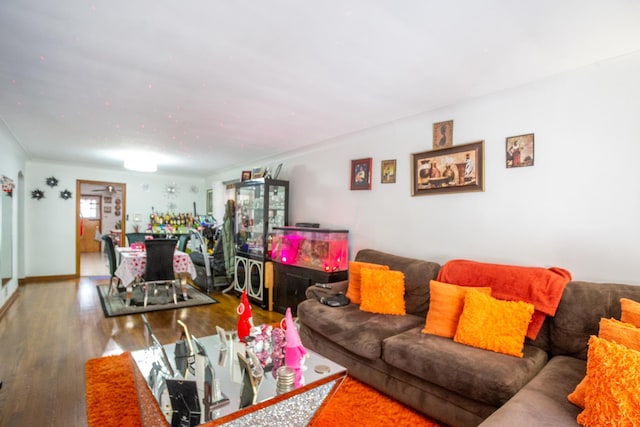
449,170
388,171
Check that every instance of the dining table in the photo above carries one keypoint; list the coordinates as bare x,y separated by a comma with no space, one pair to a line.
132,266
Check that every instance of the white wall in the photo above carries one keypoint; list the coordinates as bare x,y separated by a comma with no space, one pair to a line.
12,164
577,208
50,233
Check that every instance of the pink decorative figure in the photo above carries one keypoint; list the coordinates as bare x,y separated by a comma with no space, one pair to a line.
245,321
294,352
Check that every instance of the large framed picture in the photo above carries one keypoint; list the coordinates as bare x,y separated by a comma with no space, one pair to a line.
361,174
448,170
520,151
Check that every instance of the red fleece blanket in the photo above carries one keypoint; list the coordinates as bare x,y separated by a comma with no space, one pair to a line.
542,287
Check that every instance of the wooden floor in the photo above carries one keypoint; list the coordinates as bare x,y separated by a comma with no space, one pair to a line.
53,328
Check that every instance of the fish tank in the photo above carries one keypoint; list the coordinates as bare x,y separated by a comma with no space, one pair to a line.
316,248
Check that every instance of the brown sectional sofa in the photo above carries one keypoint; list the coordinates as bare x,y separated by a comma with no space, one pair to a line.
453,383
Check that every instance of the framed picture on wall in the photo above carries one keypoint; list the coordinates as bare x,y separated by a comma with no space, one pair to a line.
106,209
209,202
448,170
388,171
361,174
442,134
107,199
520,151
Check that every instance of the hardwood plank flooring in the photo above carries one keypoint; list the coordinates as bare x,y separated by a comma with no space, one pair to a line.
53,328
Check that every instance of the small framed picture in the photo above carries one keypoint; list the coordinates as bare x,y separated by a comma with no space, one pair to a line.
520,151
246,175
106,209
388,171
106,199
361,174
442,134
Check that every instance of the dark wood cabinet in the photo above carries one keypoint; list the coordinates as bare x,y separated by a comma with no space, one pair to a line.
291,283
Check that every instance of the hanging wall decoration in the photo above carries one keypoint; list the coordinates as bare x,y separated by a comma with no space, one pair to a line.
37,194
7,185
448,170
361,174
442,134
52,181
66,194
520,151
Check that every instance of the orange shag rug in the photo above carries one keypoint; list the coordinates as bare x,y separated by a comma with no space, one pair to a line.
115,398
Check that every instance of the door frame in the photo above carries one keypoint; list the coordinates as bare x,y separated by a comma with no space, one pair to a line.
79,182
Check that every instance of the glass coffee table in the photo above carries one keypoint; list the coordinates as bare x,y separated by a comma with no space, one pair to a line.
321,378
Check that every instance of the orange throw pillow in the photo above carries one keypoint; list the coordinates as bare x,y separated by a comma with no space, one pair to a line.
610,330
382,291
446,302
494,324
613,375
630,311
355,268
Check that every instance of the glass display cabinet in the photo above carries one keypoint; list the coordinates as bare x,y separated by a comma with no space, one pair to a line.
303,257
260,205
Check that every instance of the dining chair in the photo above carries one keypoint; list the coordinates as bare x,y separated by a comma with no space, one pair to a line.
182,242
159,266
136,237
110,249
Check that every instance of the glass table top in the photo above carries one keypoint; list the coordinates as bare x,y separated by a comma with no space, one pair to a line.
320,376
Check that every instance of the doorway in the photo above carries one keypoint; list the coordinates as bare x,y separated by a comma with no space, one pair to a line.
100,210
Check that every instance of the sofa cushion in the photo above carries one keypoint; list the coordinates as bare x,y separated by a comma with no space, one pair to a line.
445,307
382,292
417,274
582,306
613,374
354,292
542,402
493,324
610,330
482,375
630,311
360,332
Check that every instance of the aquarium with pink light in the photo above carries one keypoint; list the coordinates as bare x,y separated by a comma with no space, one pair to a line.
317,248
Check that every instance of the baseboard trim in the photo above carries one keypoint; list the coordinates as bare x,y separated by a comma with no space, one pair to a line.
7,304
39,279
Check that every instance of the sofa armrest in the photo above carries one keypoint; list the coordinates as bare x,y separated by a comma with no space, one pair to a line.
317,292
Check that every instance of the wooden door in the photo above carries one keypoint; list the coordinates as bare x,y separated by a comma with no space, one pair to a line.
88,242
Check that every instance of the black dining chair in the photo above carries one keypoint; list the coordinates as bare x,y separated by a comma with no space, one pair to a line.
110,249
159,267
136,238
183,240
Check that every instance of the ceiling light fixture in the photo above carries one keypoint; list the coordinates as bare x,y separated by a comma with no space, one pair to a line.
140,165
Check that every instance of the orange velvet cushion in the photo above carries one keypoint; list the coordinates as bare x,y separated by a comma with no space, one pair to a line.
445,307
494,324
610,330
613,375
630,311
382,291
355,267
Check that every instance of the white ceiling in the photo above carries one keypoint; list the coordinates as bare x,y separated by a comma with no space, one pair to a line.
210,84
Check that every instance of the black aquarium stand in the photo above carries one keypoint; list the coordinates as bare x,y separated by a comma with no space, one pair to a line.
291,282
